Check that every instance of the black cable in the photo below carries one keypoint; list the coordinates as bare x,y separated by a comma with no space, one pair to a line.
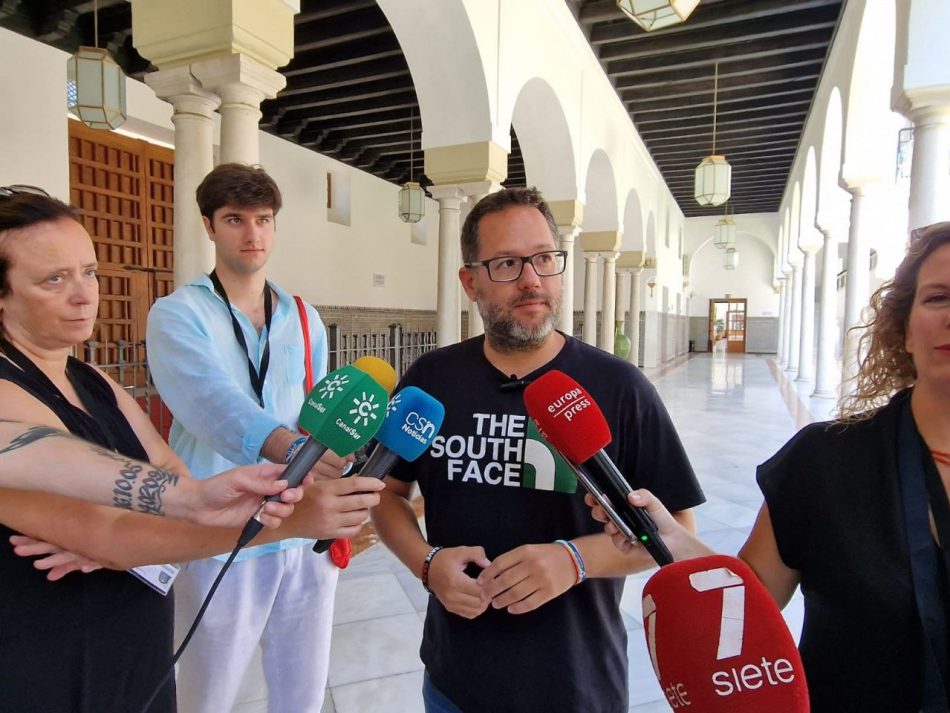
194,626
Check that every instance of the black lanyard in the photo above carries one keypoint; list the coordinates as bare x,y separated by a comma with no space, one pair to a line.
922,493
256,376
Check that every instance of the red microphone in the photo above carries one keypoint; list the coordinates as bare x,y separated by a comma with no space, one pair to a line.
718,642
569,420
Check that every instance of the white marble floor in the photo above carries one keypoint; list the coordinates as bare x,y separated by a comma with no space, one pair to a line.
732,412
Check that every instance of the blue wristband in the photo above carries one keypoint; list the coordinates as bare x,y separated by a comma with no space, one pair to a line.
293,448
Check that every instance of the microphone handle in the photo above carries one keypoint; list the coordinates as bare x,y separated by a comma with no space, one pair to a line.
603,471
294,473
304,459
378,465
380,462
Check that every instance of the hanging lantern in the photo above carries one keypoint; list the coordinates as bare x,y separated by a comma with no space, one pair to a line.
412,202
657,14
96,85
412,198
99,96
713,180
732,258
724,234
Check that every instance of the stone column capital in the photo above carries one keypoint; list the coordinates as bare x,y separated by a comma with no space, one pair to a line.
479,189
610,257
479,162
179,87
567,213
568,233
859,186
449,194
920,104
239,79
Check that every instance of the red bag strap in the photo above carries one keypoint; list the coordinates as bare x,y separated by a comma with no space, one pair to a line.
341,551
307,355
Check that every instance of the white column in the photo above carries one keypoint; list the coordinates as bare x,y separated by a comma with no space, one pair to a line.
782,297
858,279
240,121
787,320
242,83
825,375
474,193
620,302
590,298
795,328
608,304
476,325
193,117
567,235
622,298
633,318
930,170
448,315
806,350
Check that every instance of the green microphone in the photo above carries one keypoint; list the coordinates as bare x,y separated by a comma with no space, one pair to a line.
342,413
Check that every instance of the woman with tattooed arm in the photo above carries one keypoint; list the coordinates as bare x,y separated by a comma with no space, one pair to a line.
97,642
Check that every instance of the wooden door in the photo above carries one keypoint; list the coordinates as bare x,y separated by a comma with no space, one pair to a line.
727,325
735,327
123,188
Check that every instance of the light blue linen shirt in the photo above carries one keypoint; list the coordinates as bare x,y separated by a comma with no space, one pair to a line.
202,376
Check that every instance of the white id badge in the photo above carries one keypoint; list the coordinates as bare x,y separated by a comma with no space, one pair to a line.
158,576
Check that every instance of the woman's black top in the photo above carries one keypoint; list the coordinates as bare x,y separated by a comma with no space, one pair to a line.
88,643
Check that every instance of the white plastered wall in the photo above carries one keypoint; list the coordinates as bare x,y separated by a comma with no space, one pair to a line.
752,279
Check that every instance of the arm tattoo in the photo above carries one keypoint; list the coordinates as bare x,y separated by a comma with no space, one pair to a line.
148,496
125,484
153,487
32,435
147,499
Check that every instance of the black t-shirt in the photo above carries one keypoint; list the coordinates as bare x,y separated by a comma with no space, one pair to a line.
490,480
88,643
834,501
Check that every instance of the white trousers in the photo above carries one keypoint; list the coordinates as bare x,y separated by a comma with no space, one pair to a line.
282,601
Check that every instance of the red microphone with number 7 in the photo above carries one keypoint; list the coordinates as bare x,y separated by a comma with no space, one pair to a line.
718,641
569,420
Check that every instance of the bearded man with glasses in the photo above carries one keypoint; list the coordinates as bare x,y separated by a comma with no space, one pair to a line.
524,613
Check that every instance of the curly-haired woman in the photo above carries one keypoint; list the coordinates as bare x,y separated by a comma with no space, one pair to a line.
856,510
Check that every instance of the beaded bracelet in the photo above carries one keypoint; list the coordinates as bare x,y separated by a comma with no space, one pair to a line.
425,568
293,448
575,558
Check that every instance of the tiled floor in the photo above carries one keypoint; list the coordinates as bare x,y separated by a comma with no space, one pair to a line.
732,413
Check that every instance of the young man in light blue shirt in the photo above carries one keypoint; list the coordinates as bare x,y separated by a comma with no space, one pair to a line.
227,354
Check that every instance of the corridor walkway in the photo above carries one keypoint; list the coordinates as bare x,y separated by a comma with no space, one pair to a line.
732,413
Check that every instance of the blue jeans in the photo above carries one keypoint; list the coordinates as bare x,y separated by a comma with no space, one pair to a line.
434,700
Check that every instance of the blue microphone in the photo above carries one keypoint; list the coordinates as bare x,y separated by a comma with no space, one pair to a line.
413,419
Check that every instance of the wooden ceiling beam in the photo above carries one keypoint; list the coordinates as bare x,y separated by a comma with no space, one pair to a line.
689,56
694,37
732,100
362,50
364,22
382,68
703,89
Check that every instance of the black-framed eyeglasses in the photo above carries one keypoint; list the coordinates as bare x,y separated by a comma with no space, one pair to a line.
19,189
509,267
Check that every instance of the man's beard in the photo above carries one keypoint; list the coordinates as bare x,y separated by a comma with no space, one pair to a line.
506,334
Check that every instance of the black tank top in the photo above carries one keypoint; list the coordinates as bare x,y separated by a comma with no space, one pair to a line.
89,643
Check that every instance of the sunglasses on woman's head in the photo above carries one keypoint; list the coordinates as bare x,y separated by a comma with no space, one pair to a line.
18,189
